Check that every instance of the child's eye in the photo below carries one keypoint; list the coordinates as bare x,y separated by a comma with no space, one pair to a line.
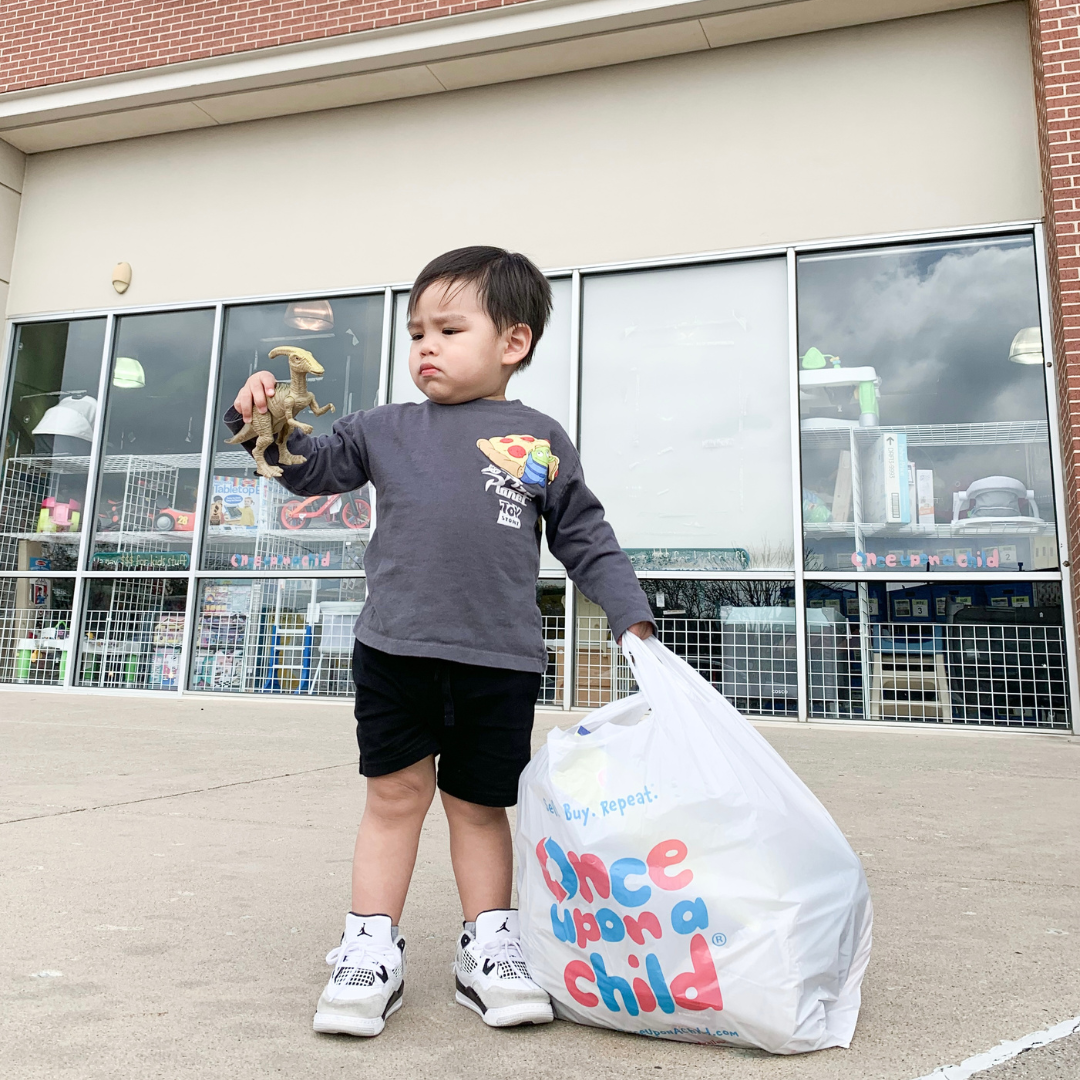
451,330
416,337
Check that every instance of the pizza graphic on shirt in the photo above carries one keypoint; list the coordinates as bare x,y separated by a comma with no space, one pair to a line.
527,458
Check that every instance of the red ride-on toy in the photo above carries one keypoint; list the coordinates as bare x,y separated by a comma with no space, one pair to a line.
348,510
166,519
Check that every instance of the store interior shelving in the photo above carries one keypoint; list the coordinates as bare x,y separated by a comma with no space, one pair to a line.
843,442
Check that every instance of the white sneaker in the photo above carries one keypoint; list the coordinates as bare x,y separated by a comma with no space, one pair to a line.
368,979
492,976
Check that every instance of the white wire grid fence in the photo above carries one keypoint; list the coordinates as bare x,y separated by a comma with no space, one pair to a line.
964,673
132,638
282,642
752,664
278,640
554,678
960,673
275,637
35,645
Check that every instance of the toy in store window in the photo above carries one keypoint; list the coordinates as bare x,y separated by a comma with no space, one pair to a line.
349,510
169,520
169,629
279,421
814,507
823,383
994,498
58,516
108,515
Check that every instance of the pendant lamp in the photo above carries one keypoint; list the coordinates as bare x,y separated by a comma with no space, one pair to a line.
72,416
1026,347
310,315
128,373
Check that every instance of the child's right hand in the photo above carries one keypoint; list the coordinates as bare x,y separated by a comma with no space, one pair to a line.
253,394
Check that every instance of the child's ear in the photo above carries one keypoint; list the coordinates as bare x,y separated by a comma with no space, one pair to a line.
518,343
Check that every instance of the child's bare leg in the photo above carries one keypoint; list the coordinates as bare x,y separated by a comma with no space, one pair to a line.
482,853
388,837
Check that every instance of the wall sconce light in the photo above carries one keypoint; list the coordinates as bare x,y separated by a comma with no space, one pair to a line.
1026,347
310,315
121,277
128,373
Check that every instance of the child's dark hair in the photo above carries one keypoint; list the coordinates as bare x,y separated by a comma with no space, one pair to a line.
511,289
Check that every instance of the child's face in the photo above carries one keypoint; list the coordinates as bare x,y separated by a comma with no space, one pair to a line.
457,354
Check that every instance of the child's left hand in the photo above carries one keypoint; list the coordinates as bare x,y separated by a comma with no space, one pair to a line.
639,629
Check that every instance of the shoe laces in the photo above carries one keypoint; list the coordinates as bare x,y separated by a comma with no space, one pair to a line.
362,955
506,950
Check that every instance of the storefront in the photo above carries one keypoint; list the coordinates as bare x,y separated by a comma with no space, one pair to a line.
835,464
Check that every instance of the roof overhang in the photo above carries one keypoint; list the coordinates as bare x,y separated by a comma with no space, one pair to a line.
521,41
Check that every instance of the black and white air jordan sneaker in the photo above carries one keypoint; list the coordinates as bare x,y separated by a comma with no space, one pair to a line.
492,976
368,978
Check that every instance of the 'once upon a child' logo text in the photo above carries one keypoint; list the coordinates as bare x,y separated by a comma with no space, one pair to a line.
629,884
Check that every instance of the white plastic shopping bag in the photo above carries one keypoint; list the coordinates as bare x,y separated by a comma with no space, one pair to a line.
678,880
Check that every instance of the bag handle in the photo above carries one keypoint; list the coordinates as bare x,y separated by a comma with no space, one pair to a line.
648,660
651,661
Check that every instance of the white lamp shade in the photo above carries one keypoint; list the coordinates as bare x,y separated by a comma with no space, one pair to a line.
1026,347
72,416
128,373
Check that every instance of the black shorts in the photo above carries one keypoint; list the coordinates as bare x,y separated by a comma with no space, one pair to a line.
478,720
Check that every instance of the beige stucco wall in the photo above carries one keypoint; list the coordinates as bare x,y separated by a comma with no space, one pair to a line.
918,124
12,168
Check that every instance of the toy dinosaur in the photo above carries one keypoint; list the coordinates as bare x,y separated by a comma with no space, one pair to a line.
278,422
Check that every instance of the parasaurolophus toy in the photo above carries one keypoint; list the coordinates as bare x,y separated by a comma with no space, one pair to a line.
278,421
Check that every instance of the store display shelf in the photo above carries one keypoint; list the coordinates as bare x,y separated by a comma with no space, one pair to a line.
46,537
322,535
122,462
942,530
829,528
961,529
986,434
233,460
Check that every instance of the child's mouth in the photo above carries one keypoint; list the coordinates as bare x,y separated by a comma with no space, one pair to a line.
428,370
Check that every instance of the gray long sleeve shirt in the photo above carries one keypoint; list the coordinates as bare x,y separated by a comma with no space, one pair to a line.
453,562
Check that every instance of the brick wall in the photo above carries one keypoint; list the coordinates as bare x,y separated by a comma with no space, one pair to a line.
1055,37
56,41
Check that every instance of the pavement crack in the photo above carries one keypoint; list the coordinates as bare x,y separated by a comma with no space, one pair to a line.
177,794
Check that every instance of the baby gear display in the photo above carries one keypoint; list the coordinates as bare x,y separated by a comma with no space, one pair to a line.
676,879
995,498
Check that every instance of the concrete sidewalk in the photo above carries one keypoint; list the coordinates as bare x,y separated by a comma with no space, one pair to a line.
185,864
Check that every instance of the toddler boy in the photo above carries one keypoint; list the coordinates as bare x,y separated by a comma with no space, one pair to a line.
449,653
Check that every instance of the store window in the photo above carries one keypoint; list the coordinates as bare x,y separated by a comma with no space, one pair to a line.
35,630
132,633
152,450
685,416
925,441
52,419
951,652
543,385
289,635
739,634
252,522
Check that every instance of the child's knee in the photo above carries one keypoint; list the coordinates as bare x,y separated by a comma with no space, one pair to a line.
473,815
402,794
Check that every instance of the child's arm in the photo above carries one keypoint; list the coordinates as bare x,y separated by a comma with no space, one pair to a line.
580,537
335,462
